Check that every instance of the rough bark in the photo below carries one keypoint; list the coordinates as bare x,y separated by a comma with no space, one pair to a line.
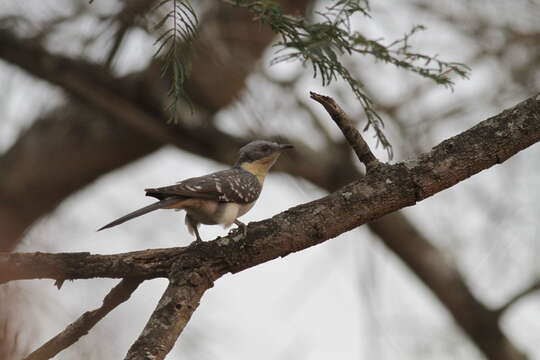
64,266
385,190
173,312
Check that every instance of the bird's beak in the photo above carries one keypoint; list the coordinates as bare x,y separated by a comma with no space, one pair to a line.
285,146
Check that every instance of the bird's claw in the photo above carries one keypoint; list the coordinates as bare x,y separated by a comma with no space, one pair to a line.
196,242
242,228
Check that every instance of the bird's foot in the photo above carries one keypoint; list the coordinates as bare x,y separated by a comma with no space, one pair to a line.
241,228
196,242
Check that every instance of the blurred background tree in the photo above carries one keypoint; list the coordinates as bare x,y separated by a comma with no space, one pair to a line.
85,129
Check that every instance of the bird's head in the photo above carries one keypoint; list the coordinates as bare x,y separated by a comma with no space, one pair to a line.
258,156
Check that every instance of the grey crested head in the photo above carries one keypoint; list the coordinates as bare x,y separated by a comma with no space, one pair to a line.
259,150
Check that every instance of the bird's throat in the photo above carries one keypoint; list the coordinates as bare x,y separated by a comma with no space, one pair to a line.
259,168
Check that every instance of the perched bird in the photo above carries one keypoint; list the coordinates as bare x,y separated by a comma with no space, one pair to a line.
217,198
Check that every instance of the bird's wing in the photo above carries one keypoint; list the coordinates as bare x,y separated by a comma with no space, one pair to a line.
233,185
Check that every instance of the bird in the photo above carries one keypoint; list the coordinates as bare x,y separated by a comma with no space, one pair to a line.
220,197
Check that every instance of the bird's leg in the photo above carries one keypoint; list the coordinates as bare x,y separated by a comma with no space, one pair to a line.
198,240
193,227
241,226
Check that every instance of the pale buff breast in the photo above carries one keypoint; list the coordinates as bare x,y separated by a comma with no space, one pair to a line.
209,212
228,212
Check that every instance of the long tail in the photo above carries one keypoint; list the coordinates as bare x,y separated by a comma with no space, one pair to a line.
155,206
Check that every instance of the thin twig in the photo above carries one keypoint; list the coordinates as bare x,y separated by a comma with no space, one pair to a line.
118,39
535,286
73,332
353,136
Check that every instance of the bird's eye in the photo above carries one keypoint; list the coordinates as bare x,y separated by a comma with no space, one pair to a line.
266,148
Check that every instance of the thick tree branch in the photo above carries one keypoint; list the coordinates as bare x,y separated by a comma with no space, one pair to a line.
443,278
32,185
353,136
179,301
389,188
454,160
145,264
392,187
90,83
71,334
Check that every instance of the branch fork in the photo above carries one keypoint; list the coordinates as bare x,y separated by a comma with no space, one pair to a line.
192,270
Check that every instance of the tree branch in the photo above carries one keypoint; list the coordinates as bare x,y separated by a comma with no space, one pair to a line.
392,187
71,334
444,279
385,190
353,136
64,266
89,83
179,301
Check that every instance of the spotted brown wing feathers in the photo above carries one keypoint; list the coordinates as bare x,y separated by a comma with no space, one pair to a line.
233,185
